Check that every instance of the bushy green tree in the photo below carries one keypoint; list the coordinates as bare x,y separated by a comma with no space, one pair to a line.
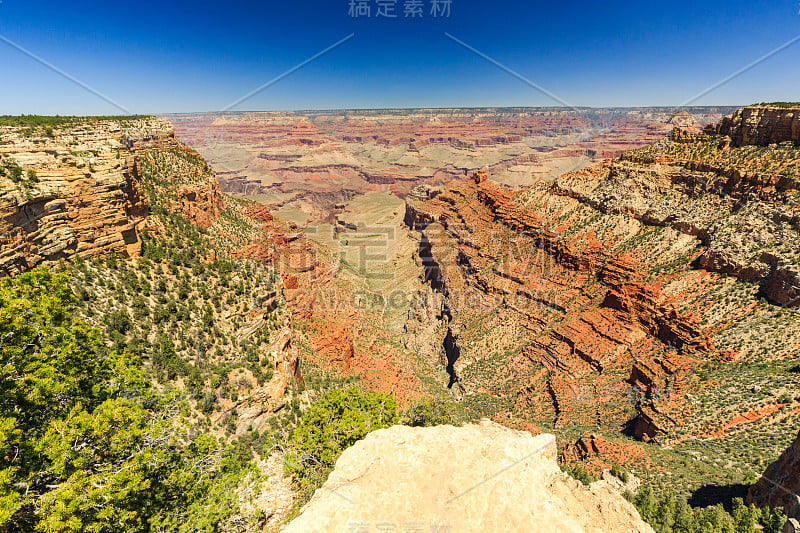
673,514
333,423
86,444
432,412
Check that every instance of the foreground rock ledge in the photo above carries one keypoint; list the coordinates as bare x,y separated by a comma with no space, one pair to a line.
481,478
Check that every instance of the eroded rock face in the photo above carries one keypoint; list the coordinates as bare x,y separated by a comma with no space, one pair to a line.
780,484
80,190
760,125
590,299
477,478
570,323
201,203
80,193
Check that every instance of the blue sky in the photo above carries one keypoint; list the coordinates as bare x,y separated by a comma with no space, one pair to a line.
175,56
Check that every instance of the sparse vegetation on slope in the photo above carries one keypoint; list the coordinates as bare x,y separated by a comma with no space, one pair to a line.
87,443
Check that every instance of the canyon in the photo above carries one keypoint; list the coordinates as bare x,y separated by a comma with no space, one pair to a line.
626,280
649,300
304,164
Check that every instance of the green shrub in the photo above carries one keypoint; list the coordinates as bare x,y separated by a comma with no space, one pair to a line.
620,473
432,413
672,514
86,444
332,424
580,473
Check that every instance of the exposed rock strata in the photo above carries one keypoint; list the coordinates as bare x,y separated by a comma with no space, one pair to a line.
760,125
86,197
587,278
574,312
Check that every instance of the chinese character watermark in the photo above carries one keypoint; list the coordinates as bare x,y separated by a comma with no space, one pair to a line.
412,9
441,8
392,527
386,9
360,8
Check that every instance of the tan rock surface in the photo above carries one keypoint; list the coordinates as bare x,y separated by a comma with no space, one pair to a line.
80,191
760,125
86,197
480,478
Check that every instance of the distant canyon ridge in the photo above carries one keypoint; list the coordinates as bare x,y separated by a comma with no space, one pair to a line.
304,165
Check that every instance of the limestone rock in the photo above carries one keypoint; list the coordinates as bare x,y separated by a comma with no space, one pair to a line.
82,193
482,477
85,199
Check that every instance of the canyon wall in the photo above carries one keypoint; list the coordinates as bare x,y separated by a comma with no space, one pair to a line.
594,299
570,316
760,125
779,486
78,191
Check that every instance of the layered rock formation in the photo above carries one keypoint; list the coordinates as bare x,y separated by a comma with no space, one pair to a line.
760,125
474,478
591,300
314,161
80,192
576,320
201,203
780,484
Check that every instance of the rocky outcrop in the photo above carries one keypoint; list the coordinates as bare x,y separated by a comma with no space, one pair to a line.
258,408
780,484
744,216
80,193
590,276
760,125
201,203
560,318
477,478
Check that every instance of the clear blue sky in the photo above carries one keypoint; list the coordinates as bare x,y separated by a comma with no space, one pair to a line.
176,56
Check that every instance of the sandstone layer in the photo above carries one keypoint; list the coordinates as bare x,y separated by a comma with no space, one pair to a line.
594,300
474,478
81,194
303,164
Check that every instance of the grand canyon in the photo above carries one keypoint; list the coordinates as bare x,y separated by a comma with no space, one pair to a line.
614,292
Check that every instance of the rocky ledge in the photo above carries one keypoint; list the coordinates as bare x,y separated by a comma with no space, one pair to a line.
75,190
482,477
